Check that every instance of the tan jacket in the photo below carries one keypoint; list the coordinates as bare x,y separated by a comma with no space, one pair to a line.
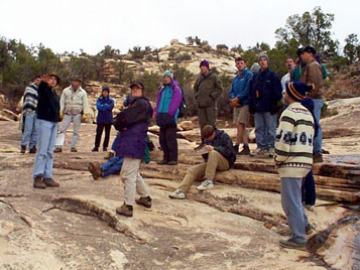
73,102
313,74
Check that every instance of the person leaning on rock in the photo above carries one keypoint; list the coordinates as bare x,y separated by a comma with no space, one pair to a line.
220,157
73,105
207,89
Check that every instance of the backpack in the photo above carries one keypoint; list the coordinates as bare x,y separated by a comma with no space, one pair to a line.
182,107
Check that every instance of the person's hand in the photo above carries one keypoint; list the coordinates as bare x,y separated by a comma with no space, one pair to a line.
61,115
83,117
45,78
235,102
209,147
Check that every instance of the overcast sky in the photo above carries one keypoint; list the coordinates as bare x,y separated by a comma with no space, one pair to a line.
71,25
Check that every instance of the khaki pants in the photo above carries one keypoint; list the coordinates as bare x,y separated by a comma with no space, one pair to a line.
216,162
133,182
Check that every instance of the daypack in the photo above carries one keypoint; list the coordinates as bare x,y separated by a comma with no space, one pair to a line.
182,107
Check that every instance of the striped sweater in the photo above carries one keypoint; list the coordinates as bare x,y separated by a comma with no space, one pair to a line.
30,100
294,142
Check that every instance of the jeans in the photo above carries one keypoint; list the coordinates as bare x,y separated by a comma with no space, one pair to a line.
293,208
168,143
308,189
29,135
76,119
265,129
112,166
318,104
99,130
44,156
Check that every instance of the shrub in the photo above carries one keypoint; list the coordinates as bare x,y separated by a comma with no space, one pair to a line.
182,57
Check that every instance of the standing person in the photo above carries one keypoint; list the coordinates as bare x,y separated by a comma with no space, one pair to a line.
290,65
133,124
264,95
238,95
104,105
73,105
46,123
207,89
29,116
313,74
167,110
294,145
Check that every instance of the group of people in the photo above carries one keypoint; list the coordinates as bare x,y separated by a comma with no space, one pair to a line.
257,92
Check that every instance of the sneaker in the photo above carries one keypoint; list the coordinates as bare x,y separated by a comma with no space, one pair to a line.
49,182
23,149
95,170
309,229
177,194
259,152
104,149
173,162
271,152
109,155
58,150
95,149
236,148
317,158
73,149
39,182
162,162
33,150
206,184
245,151
144,201
125,210
292,244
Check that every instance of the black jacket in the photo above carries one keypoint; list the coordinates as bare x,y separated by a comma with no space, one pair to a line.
223,144
48,107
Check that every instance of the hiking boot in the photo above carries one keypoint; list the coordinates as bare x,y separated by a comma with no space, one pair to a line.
23,149
245,151
109,155
49,182
236,148
309,207
292,244
162,162
259,152
177,194
317,158
73,149
95,149
173,162
144,201
206,184
33,150
125,210
39,182
309,229
271,152
95,170
104,149
58,150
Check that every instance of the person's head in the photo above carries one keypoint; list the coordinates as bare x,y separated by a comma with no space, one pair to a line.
75,83
240,64
208,133
290,63
296,91
53,80
255,68
137,89
263,61
168,76
204,67
37,80
105,91
308,54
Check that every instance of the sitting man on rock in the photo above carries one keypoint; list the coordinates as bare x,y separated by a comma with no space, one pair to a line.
220,157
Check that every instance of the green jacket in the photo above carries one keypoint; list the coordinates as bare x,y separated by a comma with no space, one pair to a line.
207,90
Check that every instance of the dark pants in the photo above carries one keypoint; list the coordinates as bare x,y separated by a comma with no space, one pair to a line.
99,131
308,189
168,143
207,116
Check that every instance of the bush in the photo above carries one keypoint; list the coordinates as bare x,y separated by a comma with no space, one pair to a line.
151,81
182,57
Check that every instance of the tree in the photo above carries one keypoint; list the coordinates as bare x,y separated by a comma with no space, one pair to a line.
351,47
190,40
250,57
237,49
110,53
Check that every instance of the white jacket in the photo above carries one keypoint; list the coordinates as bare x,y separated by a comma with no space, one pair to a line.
73,102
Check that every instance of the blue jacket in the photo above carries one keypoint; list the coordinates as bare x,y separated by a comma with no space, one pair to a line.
240,87
265,92
105,106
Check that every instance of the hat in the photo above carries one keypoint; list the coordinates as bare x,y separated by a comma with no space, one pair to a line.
205,63
138,84
309,49
56,76
255,68
297,90
76,79
299,51
169,74
106,88
263,56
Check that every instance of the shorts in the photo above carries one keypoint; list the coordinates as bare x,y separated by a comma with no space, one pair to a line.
242,115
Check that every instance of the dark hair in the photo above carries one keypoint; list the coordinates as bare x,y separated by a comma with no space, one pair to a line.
287,58
207,131
237,59
36,77
56,77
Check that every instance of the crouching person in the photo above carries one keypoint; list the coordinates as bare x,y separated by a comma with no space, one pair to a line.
133,124
220,157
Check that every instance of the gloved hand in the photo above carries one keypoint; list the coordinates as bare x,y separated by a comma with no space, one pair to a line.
61,115
83,117
235,102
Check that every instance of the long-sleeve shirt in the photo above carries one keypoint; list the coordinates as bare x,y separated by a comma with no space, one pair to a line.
73,102
48,104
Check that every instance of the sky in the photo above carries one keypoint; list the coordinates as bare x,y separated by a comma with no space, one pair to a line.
71,25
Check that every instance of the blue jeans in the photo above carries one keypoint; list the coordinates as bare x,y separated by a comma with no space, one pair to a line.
265,130
29,135
44,156
293,208
112,166
318,104
308,189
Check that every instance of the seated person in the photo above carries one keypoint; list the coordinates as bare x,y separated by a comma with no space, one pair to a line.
220,157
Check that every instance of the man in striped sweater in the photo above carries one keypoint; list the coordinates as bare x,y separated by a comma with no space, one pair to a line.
30,102
294,159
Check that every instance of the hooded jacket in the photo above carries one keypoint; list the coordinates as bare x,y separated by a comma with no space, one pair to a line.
104,105
48,107
207,90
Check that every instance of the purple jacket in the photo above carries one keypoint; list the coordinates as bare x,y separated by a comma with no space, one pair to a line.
175,100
